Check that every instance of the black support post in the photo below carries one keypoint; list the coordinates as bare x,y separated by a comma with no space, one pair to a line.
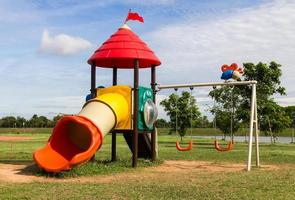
93,88
114,138
153,134
93,80
135,113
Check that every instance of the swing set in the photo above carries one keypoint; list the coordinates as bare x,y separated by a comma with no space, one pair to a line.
253,117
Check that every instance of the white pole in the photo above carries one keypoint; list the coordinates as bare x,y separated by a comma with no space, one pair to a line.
256,130
251,128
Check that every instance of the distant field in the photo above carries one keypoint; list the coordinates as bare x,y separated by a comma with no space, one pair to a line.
25,130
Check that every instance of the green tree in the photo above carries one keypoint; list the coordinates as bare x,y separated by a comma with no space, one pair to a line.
20,122
224,111
52,123
8,122
270,114
202,122
39,122
186,106
290,111
162,123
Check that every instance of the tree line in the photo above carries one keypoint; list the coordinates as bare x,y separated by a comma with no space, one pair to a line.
34,122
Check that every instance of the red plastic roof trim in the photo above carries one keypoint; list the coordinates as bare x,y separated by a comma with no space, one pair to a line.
121,49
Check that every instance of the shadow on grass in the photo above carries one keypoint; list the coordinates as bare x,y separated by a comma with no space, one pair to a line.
98,167
31,169
15,161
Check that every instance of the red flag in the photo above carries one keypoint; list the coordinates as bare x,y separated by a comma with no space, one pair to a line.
133,16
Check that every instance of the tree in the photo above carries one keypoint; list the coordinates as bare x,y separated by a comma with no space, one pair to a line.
39,122
20,122
290,111
186,105
162,123
226,101
8,122
202,122
270,114
55,120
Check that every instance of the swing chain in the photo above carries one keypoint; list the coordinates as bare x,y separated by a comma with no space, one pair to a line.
176,110
215,113
191,110
232,114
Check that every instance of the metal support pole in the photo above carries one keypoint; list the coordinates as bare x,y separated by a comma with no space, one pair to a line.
114,138
93,89
175,86
251,127
153,136
292,139
135,114
256,128
93,80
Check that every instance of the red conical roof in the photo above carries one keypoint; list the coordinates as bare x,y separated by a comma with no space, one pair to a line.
121,49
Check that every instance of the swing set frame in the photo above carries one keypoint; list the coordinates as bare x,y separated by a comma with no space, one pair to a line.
253,111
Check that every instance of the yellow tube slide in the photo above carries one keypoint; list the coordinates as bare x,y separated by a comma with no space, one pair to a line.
75,139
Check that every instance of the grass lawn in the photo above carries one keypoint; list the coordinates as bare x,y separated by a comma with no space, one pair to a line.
120,181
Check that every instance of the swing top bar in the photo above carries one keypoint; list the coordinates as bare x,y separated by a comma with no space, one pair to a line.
192,85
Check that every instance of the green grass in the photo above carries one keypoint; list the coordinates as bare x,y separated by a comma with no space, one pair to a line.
257,184
201,185
203,150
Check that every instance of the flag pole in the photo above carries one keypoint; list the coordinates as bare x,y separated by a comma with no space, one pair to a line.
125,22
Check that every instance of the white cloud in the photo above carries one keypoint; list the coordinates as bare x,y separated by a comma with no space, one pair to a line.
286,101
50,106
63,44
161,112
194,50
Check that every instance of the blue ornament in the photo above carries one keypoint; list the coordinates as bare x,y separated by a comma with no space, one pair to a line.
228,74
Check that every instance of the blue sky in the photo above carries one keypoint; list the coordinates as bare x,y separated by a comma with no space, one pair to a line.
193,38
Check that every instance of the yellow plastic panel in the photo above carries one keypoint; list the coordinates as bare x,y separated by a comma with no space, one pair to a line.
119,99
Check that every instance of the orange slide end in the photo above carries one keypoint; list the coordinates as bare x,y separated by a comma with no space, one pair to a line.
75,139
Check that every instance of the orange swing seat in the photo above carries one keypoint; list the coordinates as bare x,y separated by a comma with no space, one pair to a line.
229,147
188,148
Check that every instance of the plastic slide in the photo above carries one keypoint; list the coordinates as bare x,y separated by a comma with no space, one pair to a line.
75,139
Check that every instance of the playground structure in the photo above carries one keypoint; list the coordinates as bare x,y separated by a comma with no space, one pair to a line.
121,109
117,109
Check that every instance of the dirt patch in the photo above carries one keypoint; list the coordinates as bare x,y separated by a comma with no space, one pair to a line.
25,173
14,138
17,173
183,165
